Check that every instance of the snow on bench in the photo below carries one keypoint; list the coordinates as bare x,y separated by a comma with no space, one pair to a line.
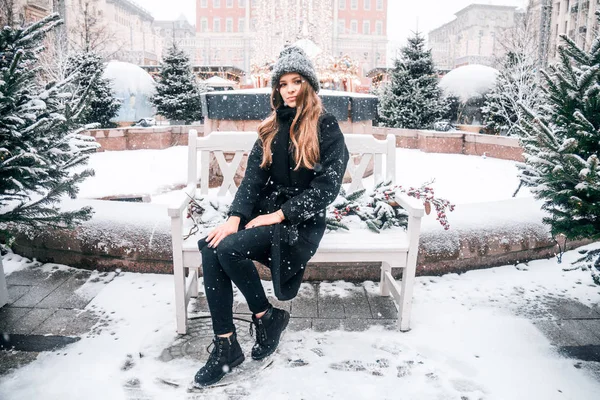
394,248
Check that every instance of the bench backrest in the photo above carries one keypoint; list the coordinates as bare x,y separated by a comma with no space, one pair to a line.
364,147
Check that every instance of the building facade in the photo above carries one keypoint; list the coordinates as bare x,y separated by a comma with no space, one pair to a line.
574,18
31,10
473,37
179,32
118,29
241,33
360,30
131,35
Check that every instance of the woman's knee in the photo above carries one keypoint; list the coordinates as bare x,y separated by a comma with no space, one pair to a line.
227,249
209,257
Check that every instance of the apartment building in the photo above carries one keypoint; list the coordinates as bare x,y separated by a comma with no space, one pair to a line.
574,18
119,29
473,37
244,32
135,39
180,32
360,30
30,10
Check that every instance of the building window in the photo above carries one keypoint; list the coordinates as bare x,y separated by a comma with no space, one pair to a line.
253,24
216,24
203,3
241,24
354,4
367,4
366,27
354,26
216,3
379,5
379,28
242,3
253,3
229,3
229,25
342,4
341,26
204,25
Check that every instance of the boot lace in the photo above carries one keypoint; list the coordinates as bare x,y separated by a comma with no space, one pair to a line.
215,353
261,332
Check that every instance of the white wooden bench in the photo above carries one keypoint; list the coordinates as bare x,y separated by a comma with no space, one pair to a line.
397,249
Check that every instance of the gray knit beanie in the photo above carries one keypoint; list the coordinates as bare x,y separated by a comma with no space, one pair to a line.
294,59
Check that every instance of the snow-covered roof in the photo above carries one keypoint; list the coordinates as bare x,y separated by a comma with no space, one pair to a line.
130,78
218,81
469,81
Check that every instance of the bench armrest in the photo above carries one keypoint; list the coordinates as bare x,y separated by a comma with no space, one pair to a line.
177,207
413,206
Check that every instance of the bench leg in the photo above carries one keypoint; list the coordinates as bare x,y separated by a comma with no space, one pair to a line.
406,293
384,290
194,283
180,298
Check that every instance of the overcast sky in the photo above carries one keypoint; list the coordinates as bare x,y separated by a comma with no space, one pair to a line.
403,15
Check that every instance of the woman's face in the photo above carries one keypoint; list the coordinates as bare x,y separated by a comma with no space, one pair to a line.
289,87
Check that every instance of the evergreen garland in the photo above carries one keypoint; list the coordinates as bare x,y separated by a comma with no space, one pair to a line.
379,210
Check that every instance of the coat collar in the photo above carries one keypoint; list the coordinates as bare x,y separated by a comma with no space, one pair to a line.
286,114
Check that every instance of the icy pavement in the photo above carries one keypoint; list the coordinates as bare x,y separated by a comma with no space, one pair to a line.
530,331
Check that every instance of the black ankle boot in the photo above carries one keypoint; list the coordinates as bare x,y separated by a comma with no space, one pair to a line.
268,331
225,355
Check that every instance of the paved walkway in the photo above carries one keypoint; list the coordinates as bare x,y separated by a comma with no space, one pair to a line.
44,313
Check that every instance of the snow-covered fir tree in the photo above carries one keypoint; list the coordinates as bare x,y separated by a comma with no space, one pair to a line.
412,99
177,92
518,80
562,144
40,142
102,106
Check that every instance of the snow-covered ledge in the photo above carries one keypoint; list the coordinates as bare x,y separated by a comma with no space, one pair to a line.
455,142
136,237
243,110
3,288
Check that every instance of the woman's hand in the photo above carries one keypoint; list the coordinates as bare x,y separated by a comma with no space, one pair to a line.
222,231
266,219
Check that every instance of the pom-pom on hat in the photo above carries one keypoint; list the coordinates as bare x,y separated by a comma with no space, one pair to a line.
294,59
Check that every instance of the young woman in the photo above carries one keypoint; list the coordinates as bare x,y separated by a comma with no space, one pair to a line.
277,217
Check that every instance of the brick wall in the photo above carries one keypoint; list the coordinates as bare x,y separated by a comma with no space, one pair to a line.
467,143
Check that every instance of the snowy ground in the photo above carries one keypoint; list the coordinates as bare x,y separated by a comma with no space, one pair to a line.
469,341
459,178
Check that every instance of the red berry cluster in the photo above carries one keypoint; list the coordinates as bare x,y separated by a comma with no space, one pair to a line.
441,205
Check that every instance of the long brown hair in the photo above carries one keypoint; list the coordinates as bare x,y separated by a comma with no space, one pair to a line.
304,129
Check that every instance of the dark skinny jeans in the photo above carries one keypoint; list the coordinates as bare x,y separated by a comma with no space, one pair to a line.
231,261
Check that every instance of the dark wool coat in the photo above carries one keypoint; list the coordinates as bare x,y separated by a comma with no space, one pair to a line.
302,195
